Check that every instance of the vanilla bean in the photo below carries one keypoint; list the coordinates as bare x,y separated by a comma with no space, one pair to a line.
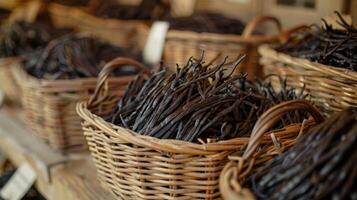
197,102
321,165
325,45
71,57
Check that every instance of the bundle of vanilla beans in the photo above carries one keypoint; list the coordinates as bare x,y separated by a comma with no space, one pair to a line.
24,37
70,2
207,22
325,45
321,165
198,103
71,57
146,10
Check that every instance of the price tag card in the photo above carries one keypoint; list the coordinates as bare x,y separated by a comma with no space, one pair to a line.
19,184
155,43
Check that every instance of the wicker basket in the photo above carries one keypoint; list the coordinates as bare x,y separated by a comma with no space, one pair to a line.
332,88
118,32
8,84
181,45
243,166
50,105
133,166
29,12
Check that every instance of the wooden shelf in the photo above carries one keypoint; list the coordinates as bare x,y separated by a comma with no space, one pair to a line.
59,176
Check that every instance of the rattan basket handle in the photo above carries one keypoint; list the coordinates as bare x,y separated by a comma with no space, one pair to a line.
272,116
284,36
253,24
108,68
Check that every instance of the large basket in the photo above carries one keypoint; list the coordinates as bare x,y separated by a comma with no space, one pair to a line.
50,105
181,45
245,165
134,166
123,33
8,84
332,88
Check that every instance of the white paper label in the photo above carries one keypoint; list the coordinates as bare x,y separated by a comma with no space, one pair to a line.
155,43
19,183
2,97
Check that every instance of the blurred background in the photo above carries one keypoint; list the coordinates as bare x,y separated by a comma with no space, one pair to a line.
290,12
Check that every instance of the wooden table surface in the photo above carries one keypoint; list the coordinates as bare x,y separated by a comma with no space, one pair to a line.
59,176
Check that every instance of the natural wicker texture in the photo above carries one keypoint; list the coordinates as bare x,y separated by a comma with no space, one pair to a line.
50,105
332,88
8,84
123,33
244,165
134,166
181,45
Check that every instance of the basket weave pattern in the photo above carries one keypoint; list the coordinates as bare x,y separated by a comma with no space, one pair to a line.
181,45
8,84
332,88
50,107
134,166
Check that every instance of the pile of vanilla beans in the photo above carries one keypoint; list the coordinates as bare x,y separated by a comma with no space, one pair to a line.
146,10
321,165
160,10
197,103
71,57
24,37
207,22
325,45
70,2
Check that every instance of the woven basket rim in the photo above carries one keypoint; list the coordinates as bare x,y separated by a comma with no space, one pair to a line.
216,37
166,145
228,178
241,166
267,51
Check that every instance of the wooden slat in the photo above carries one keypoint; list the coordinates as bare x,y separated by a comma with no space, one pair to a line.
59,176
77,180
21,145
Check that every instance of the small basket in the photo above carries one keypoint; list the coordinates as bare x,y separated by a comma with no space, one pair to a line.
8,84
134,166
244,166
332,88
181,45
50,105
118,32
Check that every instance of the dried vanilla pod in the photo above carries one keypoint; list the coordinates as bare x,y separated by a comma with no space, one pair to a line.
197,103
24,37
146,10
325,45
207,22
71,57
321,165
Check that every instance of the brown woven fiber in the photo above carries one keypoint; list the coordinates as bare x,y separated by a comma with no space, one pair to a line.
50,105
8,84
118,32
134,166
181,45
244,165
331,87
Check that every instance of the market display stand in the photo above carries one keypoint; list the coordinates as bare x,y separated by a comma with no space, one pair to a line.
59,176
